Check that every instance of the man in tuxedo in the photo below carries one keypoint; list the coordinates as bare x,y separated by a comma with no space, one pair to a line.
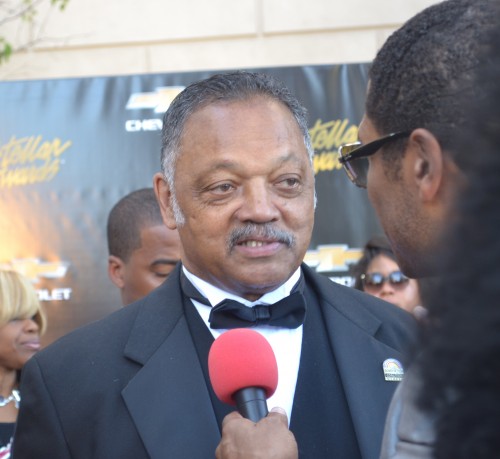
142,250
421,84
237,183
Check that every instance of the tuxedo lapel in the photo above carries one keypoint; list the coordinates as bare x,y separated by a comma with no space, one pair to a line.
168,398
359,356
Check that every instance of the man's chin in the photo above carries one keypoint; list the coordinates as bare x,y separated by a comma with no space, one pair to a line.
252,287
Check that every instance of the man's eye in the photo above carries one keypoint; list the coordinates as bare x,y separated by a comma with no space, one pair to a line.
290,182
222,188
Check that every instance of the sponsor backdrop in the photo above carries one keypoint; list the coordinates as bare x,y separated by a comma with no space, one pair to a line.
70,148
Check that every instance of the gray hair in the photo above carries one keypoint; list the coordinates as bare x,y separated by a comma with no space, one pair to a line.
225,87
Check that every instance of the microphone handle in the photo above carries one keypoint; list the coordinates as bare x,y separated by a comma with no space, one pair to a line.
251,403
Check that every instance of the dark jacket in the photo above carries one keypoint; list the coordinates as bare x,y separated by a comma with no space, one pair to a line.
131,385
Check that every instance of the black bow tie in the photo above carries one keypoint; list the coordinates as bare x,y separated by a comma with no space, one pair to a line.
288,313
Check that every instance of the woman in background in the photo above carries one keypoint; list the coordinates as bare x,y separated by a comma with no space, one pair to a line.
377,273
21,323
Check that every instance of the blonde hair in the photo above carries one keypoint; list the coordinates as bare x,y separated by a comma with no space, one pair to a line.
19,300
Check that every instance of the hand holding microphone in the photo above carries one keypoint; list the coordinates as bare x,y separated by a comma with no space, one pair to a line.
243,371
268,439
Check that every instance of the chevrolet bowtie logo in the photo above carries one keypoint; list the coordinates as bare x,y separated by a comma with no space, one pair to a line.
159,100
34,268
333,257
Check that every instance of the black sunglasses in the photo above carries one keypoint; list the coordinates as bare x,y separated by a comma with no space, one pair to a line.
353,156
374,280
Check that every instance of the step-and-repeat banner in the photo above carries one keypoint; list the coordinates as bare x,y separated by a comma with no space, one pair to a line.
71,148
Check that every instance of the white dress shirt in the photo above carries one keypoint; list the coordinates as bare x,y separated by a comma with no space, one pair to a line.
286,343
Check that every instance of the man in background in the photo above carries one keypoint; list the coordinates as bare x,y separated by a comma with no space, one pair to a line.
142,250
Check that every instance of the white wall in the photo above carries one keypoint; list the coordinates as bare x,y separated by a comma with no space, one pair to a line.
116,37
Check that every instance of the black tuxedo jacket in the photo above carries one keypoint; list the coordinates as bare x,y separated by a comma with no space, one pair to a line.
131,385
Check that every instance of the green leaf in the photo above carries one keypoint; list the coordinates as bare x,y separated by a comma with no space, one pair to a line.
29,16
5,50
61,4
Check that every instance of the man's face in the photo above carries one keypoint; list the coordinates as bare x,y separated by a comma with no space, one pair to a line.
245,185
395,200
150,264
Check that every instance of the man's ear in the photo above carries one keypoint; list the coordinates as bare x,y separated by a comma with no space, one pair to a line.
428,163
163,196
115,271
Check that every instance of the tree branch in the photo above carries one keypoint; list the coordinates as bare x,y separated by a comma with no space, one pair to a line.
19,12
24,11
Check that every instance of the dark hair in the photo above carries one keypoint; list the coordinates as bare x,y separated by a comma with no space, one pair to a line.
460,364
223,88
129,215
422,73
377,245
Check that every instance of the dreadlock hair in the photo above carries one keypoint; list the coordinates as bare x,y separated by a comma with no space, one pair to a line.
460,363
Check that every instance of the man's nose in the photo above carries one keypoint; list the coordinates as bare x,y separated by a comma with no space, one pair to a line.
258,204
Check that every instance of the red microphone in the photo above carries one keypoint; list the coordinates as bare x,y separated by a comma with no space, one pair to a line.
243,371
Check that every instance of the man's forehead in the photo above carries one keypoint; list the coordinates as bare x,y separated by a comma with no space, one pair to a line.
236,114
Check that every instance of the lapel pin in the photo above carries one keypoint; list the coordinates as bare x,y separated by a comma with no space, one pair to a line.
393,370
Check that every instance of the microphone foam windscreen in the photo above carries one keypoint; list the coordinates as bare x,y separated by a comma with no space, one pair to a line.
241,358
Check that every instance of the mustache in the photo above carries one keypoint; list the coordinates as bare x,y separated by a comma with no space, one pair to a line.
260,230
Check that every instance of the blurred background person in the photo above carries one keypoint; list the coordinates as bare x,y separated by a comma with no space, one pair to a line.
22,321
460,364
377,273
142,250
